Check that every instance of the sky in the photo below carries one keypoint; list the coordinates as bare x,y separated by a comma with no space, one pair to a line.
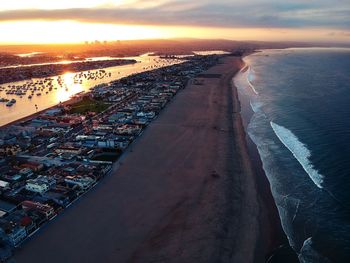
67,21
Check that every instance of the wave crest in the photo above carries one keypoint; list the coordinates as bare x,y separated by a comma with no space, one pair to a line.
308,254
299,151
250,78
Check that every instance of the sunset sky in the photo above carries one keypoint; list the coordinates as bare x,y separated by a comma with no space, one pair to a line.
66,21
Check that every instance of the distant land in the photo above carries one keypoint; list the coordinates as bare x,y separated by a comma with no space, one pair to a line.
137,47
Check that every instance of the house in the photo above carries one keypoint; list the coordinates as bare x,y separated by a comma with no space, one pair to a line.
68,149
128,129
87,137
106,143
41,184
120,117
53,112
57,198
83,182
65,191
34,166
28,223
121,145
12,232
37,217
26,172
148,115
36,186
12,177
44,209
21,218
39,123
4,184
7,150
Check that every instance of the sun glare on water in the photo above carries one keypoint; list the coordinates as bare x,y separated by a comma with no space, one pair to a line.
69,88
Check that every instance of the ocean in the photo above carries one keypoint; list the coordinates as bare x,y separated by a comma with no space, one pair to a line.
296,107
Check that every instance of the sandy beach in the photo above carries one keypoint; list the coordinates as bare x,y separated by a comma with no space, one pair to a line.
185,191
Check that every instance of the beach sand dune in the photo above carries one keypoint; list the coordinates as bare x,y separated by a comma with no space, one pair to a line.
185,191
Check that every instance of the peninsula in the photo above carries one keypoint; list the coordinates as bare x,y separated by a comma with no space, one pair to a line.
185,191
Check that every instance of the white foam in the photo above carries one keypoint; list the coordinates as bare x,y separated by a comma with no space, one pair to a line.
309,255
255,105
250,78
251,75
300,152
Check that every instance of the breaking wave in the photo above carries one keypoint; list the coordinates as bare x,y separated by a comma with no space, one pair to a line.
299,151
255,105
250,78
308,254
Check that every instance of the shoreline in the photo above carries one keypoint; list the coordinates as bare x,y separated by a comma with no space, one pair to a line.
278,247
172,189
272,236
38,113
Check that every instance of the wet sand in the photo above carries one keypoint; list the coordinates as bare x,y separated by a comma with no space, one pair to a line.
185,191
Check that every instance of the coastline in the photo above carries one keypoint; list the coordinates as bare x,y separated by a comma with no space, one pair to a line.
277,248
272,245
315,232
203,204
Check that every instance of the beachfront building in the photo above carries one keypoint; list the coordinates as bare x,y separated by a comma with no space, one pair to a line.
43,209
128,129
83,182
41,184
21,218
149,115
57,198
36,186
11,232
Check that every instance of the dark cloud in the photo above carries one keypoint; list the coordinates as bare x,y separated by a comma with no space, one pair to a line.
224,13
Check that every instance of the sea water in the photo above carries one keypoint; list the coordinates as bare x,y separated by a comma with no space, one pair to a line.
299,103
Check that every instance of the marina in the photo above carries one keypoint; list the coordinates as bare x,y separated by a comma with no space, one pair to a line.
39,94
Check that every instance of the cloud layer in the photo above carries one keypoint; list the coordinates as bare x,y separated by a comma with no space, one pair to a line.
221,13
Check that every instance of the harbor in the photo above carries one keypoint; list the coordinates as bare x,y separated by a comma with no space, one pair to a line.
34,95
